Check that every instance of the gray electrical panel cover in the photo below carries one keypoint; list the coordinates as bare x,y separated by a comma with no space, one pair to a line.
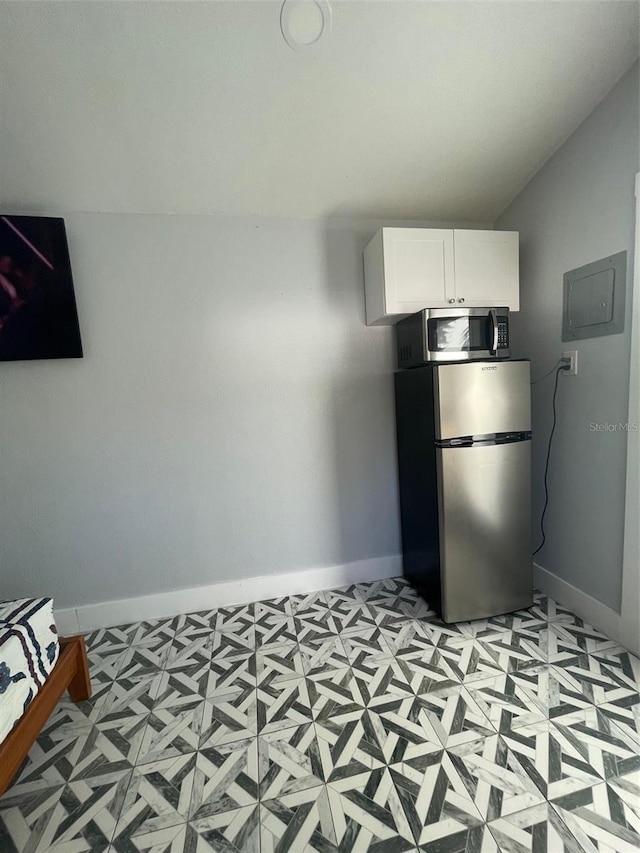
594,298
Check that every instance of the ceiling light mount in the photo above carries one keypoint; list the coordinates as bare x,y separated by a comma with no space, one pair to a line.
305,23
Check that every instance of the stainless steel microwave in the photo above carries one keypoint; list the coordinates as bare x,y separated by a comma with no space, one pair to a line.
452,334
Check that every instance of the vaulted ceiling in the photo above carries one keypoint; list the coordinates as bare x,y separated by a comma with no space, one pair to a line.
433,110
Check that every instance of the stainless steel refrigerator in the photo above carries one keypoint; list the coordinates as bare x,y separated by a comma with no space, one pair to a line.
464,461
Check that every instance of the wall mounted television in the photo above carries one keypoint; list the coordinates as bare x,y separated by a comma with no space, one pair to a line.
38,315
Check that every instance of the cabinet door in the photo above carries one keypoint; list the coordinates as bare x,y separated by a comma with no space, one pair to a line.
418,269
486,268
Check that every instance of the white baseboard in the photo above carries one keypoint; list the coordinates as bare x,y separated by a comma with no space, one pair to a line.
106,614
590,609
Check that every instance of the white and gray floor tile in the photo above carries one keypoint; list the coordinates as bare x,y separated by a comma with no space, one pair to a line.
340,721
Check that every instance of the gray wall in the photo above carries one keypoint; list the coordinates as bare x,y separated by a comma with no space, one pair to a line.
232,416
577,209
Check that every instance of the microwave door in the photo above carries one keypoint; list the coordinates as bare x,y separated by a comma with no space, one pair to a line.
467,337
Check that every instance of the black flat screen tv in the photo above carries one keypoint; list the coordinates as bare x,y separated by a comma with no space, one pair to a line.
38,315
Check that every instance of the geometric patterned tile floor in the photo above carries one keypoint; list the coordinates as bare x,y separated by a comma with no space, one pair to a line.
345,720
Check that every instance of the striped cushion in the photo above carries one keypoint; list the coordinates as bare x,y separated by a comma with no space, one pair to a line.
29,649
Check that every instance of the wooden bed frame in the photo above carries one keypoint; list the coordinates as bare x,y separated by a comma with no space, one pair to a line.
71,673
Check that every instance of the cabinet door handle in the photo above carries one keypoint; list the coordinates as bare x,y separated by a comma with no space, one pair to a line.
461,299
452,300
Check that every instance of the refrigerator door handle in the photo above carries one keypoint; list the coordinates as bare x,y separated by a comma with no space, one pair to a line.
498,439
493,336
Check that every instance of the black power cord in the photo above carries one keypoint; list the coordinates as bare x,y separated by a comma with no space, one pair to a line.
548,373
564,366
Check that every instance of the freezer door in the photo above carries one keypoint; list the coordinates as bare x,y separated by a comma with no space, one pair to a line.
484,515
482,398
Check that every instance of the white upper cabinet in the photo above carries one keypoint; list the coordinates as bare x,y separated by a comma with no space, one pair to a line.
486,266
407,269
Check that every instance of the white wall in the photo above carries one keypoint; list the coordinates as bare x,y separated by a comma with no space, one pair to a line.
578,208
232,416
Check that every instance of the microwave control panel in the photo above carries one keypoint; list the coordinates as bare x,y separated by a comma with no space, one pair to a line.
503,334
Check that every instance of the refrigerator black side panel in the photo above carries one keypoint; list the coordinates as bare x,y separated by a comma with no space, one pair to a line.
417,479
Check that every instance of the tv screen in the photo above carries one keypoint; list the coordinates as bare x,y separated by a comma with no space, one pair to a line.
38,316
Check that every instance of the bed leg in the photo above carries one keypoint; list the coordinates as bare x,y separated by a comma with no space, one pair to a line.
80,685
